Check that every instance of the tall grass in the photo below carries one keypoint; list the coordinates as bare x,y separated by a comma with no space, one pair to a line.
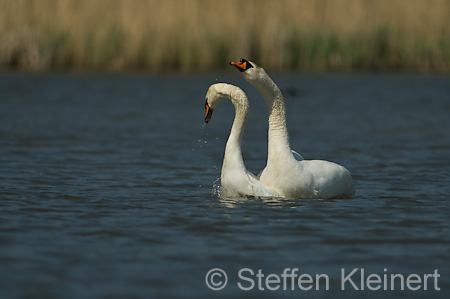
166,35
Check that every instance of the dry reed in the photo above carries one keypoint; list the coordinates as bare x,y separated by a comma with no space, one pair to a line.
166,35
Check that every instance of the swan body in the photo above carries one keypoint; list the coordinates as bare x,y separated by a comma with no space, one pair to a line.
284,172
236,180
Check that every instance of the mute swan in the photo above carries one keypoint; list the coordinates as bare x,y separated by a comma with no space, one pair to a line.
236,180
283,173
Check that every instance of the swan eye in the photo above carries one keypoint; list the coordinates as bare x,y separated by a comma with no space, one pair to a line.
247,63
206,102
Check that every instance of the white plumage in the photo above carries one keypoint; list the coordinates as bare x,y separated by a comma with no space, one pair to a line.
284,173
236,180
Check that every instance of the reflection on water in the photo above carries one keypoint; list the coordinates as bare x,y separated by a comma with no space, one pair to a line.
109,184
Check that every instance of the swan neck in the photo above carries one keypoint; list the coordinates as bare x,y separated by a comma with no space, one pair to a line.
237,129
278,135
233,153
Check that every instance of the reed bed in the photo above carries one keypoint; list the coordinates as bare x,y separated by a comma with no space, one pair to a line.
199,35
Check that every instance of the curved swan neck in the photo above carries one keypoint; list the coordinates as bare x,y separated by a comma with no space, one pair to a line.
278,134
241,107
233,154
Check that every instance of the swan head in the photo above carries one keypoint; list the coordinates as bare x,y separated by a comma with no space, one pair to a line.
249,70
212,99
219,91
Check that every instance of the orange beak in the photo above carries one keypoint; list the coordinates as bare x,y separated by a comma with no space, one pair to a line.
209,112
242,65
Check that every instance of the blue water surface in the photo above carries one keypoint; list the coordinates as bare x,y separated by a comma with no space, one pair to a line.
108,187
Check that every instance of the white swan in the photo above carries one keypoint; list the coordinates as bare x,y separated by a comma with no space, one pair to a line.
283,173
236,180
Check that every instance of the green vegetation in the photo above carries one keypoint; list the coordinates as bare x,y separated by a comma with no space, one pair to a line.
199,35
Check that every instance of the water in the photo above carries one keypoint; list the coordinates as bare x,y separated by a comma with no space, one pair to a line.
106,186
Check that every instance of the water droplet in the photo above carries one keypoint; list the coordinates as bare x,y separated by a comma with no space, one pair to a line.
216,190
